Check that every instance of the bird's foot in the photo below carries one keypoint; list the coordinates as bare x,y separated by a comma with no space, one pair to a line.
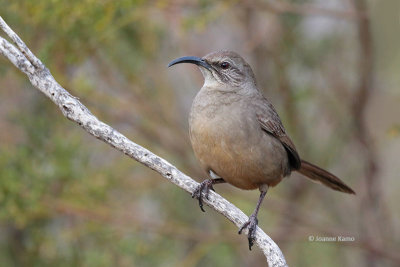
205,187
251,224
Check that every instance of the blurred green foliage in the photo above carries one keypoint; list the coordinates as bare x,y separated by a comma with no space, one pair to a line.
49,173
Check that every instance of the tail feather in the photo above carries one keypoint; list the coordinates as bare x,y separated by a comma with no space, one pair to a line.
319,175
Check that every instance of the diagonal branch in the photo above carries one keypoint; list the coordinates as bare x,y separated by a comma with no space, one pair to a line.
74,110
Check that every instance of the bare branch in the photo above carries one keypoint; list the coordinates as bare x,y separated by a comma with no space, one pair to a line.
75,111
286,7
373,204
312,10
15,56
20,44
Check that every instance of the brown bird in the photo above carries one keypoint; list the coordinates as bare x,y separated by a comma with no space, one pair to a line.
238,136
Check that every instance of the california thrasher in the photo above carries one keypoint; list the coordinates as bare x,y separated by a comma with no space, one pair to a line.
238,136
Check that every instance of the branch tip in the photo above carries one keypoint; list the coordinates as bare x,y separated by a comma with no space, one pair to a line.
74,110
21,45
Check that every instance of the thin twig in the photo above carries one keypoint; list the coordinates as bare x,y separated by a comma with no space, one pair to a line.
283,7
371,204
20,44
75,111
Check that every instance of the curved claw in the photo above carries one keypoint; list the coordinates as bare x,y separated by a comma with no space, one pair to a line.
251,224
205,187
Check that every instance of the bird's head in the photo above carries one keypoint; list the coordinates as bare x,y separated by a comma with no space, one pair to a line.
222,68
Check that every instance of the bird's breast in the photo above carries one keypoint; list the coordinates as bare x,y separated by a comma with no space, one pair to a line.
228,140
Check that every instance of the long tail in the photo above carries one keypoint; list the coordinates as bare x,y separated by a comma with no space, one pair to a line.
319,175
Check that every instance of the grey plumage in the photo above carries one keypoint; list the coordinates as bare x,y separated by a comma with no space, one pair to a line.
237,134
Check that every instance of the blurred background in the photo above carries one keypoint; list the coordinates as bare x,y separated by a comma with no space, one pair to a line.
329,67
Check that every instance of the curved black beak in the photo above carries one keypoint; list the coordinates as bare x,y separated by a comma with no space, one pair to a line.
194,60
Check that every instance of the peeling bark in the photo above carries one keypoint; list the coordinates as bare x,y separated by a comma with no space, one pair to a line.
74,110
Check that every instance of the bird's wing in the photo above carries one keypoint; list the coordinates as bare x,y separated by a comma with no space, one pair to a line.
271,123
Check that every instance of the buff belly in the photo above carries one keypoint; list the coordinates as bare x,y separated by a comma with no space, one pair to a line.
238,151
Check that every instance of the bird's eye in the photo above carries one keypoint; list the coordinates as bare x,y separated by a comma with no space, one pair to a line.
225,65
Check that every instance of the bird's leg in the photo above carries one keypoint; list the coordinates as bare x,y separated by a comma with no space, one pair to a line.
251,224
205,187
